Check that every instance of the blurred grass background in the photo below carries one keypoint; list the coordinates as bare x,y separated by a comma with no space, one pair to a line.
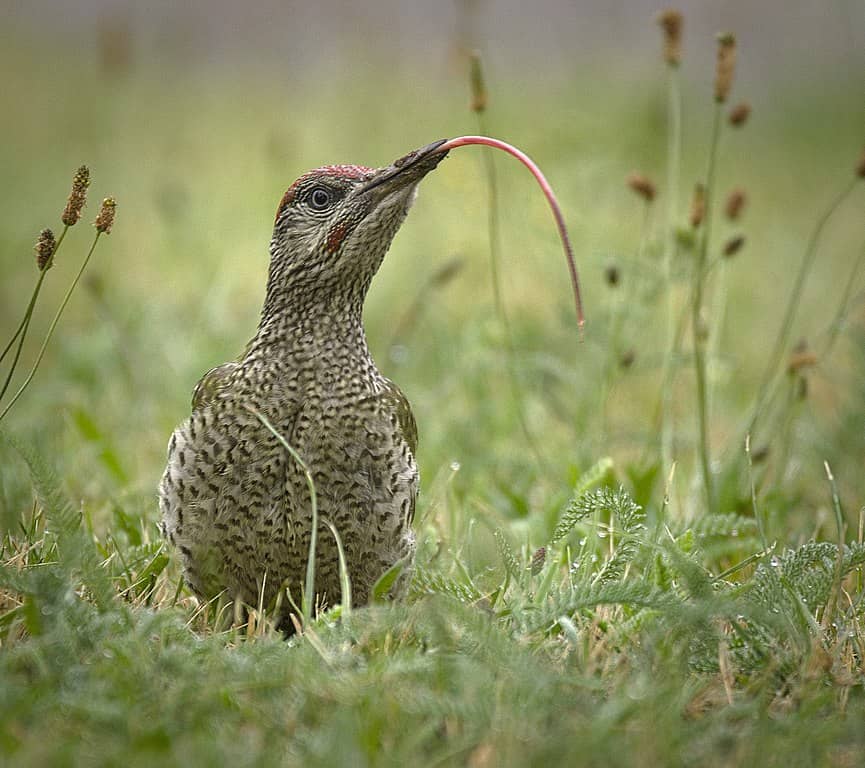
199,149
196,118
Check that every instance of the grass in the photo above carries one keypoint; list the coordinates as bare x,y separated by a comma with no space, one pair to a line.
587,609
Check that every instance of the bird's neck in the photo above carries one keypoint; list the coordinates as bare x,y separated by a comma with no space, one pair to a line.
310,335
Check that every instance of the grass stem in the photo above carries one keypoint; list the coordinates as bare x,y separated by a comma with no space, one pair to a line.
53,326
21,331
21,334
674,155
494,242
841,313
769,382
696,312
757,516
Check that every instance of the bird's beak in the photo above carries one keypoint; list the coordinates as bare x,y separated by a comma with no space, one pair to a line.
406,170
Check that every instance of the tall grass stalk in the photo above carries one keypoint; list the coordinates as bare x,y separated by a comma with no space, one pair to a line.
696,313
718,302
837,324
773,372
52,327
829,612
23,327
757,516
479,104
624,298
674,157
20,334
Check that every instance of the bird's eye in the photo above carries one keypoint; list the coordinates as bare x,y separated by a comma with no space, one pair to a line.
320,198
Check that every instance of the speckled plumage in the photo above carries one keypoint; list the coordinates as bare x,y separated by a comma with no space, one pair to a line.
233,500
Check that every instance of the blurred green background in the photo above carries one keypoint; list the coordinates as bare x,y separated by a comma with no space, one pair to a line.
197,119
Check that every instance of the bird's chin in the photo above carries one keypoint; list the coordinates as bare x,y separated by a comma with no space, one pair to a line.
399,201
409,198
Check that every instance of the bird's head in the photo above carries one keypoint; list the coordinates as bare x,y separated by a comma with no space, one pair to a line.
335,224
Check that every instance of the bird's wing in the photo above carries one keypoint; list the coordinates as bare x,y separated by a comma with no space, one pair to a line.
394,400
223,494
211,384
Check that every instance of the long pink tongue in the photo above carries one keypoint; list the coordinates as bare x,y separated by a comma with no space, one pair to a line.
462,141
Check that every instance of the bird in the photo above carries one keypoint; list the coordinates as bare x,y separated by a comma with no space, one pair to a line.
234,502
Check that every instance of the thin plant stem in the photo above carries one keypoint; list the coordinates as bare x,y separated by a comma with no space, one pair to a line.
829,611
51,328
20,334
493,227
25,321
674,154
665,504
493,232
696,309
309,586
757,516
718,313
344,577
784,433
843,307
768,383
624,299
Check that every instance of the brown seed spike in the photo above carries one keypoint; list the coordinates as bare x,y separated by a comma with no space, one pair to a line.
643,186
726,66
671,22
77,197
44,249
736,201
800,360
698,206
860,169
478,86
739,114
105,219
733,246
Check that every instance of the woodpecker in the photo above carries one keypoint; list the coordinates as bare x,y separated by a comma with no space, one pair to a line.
234,502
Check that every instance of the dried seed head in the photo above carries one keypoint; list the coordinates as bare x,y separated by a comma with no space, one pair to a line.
627,358
760,455
643,186
739,114
105,219
801,357
77,197
671,22
44,249
612,275
478,86
735,203
860,169
733,245
726,66
698,206
538,559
